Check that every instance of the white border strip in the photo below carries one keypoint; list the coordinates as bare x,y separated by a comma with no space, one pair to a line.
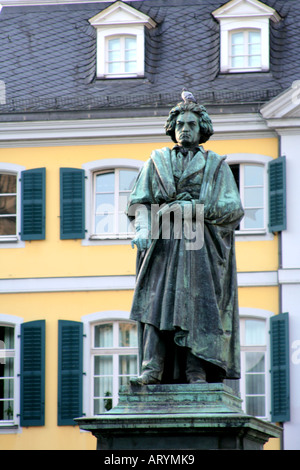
111,283
121,130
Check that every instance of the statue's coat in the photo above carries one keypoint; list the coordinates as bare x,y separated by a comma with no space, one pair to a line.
192,292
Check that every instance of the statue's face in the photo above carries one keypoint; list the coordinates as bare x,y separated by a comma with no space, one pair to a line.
187,129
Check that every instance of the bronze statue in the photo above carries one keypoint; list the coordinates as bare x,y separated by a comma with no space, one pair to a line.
185,299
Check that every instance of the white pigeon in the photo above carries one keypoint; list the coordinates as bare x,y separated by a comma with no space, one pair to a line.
187,96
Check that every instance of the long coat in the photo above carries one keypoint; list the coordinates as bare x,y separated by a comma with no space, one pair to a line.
192,292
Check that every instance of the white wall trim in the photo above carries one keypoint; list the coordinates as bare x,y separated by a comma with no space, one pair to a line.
289,276
122,130
66,284
111,283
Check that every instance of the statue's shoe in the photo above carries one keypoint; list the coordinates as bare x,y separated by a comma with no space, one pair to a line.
144,379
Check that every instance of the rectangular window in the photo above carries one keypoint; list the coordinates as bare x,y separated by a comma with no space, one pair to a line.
245,49
114,361
8,205
250,180
111,192
122,55
7,358
254,367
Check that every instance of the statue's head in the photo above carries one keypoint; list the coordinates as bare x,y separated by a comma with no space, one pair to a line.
188,124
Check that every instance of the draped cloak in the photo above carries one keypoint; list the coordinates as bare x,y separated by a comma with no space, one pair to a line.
192,292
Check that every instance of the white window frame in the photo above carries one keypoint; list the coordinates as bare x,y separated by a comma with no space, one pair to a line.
102,51
14,322
244,15
263,315
91,168
116,209
13,241
120,19
89,322
122,60
245,25
253,159
246,54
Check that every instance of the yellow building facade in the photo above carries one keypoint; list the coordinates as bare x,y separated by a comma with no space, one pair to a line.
91,280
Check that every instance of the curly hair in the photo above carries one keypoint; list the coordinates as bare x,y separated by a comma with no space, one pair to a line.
206,127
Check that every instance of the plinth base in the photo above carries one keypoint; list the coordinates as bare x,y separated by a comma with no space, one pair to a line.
178,417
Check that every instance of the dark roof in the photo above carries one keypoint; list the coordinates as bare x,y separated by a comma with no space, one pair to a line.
48,58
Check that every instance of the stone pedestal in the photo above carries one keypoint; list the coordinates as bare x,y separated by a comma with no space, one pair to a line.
178,417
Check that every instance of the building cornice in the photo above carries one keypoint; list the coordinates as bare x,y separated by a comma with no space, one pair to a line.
120,130
122,283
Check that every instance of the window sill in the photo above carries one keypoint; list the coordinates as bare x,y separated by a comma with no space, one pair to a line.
121,76
9,239
253,235
116,236
11,242
8,428
116,239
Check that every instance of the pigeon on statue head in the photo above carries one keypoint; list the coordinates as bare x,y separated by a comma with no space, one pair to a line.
187,96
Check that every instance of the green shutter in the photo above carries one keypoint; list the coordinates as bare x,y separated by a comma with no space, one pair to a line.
70,360
33,373
277,194
33,204
280,386
72,203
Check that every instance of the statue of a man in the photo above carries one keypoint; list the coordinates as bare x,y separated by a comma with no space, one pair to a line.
185,300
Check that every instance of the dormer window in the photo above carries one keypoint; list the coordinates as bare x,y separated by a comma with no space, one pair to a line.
244,35
245,48
121,55
121,41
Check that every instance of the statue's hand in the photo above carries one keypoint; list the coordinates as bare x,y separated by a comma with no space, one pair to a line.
141,240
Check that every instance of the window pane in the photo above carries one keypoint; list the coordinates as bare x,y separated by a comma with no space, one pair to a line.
254,197
105,203
130,67
104,224
103,365
8,184
102,387
127,179
8,226
123,200
238,50
7,337
254,49
127,335
7,204
254,218
130,43
105,182
237,62
253,175
255,361
254,37
255,332
127,368
254,61
114,67
103,336
255,384
237,38
125,226
255,406
114,44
